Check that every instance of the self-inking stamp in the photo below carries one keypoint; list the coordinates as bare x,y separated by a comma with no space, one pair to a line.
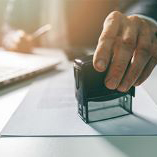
95,101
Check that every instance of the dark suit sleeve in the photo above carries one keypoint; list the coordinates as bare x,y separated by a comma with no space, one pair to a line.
144,7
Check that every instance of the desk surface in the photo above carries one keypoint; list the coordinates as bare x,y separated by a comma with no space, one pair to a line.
119,146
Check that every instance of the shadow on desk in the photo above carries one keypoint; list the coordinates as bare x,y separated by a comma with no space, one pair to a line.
126,125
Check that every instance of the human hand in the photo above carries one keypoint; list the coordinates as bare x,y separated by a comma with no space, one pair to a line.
127,47
18,41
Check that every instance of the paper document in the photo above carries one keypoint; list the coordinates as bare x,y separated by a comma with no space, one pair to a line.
50,109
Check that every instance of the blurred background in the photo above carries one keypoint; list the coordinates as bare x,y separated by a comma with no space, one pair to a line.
75,23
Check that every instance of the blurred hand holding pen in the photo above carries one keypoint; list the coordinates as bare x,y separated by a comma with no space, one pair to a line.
20,41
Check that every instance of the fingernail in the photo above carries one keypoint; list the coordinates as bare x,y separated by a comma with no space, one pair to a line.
100,65
111,84
123,88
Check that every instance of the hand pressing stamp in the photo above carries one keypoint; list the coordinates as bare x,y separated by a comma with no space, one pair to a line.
95,101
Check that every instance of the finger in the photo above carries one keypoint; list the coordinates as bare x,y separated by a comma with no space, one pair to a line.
150,65
147,71
140,59
123,51
103,51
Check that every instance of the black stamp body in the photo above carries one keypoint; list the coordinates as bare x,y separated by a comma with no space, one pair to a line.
95,101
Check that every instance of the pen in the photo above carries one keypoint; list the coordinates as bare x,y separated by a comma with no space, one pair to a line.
42,30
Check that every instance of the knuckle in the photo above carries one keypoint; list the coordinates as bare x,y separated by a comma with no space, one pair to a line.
129,42
115,14
134,18
112,17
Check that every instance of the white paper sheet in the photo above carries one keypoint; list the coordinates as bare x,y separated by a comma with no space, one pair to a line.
50,109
